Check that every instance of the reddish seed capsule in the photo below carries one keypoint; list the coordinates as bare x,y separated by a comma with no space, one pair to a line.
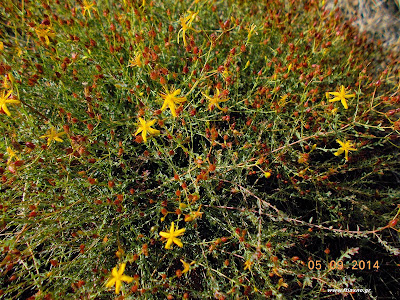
53,262
268,293
393,223
134,289
32,214
153,75
90,126
192,112
19,163
30,145
391,112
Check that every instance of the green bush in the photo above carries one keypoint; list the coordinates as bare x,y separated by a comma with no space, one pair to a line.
267,134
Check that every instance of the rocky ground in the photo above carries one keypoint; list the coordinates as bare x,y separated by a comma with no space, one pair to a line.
379,18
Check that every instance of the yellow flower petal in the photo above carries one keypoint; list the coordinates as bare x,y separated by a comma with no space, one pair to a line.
5,109
180,231
144,136
117,286
177,241
168,244
121,269
14,101
127,279
140,129
164,234
110,282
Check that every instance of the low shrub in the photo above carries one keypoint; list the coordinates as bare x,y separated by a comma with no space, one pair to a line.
196,149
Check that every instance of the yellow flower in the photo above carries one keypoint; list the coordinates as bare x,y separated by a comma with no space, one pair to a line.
18,50
1,46
282,102
281,283
4,100
251,30
8,81
275,271
45,32
248,264
186,23
87,6
11,154
186,266
136,62
145,127
226,73
172,235
215,100
194,215
341,95
117,278
346,146
171,99
52,135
